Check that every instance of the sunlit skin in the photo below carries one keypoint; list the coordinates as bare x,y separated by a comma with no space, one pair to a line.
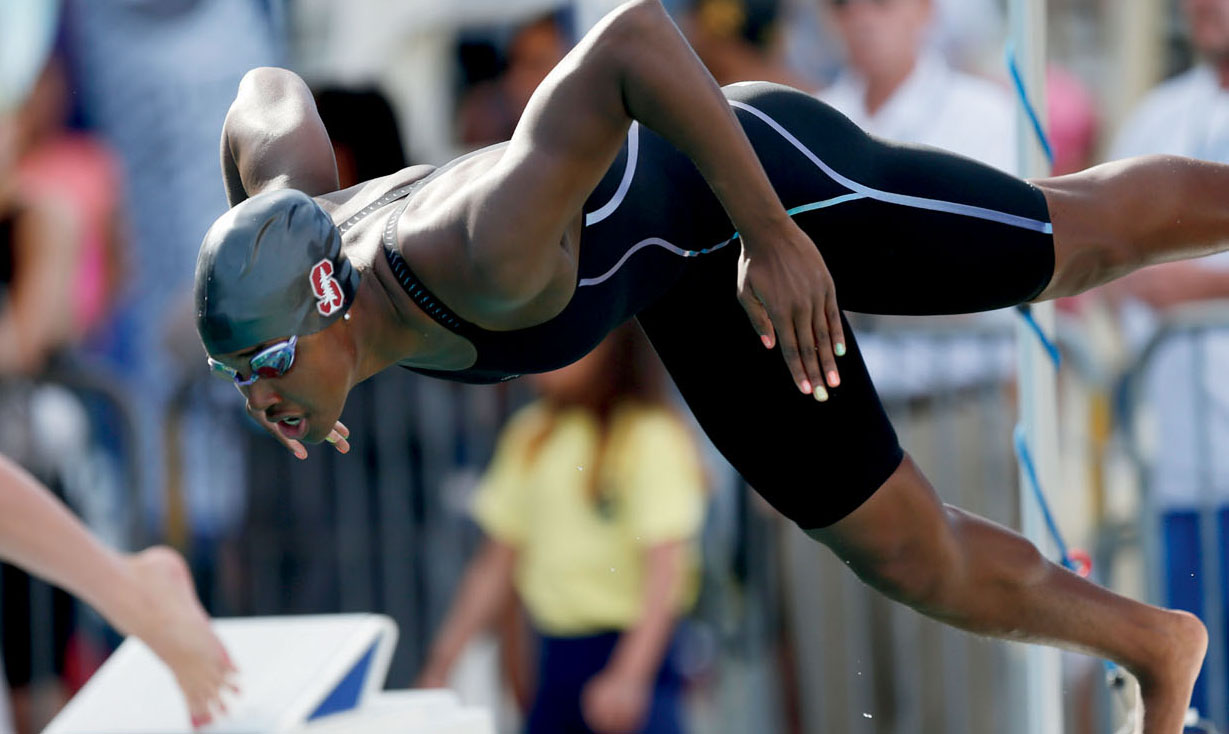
497,238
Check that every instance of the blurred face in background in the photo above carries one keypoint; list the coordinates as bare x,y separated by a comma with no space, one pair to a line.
1209,24
535,50
882,37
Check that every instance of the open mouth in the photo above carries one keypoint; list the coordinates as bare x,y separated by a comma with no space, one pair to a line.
292,426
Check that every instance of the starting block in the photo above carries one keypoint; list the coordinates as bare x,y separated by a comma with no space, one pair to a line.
318,674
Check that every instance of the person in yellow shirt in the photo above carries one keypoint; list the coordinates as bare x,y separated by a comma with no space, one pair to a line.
591,506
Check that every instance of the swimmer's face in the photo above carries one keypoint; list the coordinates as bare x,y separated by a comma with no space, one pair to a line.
305,402
1209,26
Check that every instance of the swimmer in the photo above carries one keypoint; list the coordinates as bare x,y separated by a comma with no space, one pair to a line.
147,594
734,225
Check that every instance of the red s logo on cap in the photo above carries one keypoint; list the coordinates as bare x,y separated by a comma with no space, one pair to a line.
329,298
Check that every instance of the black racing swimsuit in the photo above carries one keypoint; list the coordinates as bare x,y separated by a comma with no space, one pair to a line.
903,230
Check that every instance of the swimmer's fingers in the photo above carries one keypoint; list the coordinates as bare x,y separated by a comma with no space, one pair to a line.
793,358
784,269
825,343
808,350
754,307
338,437
836,329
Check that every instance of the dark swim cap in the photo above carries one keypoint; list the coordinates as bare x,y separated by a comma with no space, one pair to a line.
270,268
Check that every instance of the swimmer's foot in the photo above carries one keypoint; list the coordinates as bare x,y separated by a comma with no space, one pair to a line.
1167,681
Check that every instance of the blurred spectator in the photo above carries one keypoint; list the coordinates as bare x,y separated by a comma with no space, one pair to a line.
592,507
489,110
56,195
897,87
38,249
1189,114
80,171
738,40
1072,121
155,80
1186,395
363,129
1186,115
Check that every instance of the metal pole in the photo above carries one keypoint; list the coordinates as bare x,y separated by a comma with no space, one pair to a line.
1038,406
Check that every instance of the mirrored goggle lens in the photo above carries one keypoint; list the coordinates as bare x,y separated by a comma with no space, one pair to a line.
275,361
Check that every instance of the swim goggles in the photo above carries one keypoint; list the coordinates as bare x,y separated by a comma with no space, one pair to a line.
274,361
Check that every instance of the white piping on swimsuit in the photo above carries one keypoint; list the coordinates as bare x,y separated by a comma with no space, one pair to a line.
633,149
860,191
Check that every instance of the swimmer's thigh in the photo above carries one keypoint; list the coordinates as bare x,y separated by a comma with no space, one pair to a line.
815,462
904,229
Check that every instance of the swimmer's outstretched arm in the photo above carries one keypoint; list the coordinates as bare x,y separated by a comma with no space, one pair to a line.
635,65
273,138
147,594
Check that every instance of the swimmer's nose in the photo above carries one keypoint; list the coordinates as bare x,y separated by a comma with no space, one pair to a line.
261,396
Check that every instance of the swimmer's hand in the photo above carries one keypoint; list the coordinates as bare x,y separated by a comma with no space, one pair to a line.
169,619
787,292
338,436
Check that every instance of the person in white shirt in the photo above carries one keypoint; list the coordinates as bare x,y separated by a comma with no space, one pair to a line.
1186,115
896,85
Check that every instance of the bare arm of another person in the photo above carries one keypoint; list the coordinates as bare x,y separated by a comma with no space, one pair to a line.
147,594
635,65
38,317
273,138
484,592
1172,284
618,698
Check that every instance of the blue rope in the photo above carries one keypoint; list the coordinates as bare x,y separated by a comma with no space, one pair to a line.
1018,81
1030,470
1023,455
1026,313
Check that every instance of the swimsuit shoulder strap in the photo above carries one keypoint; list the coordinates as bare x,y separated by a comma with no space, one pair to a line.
384,200
413,287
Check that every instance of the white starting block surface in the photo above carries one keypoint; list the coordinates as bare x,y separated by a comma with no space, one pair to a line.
306,674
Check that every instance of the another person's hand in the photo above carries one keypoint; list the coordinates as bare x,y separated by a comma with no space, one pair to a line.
338,436
614,702
787,292
173,624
